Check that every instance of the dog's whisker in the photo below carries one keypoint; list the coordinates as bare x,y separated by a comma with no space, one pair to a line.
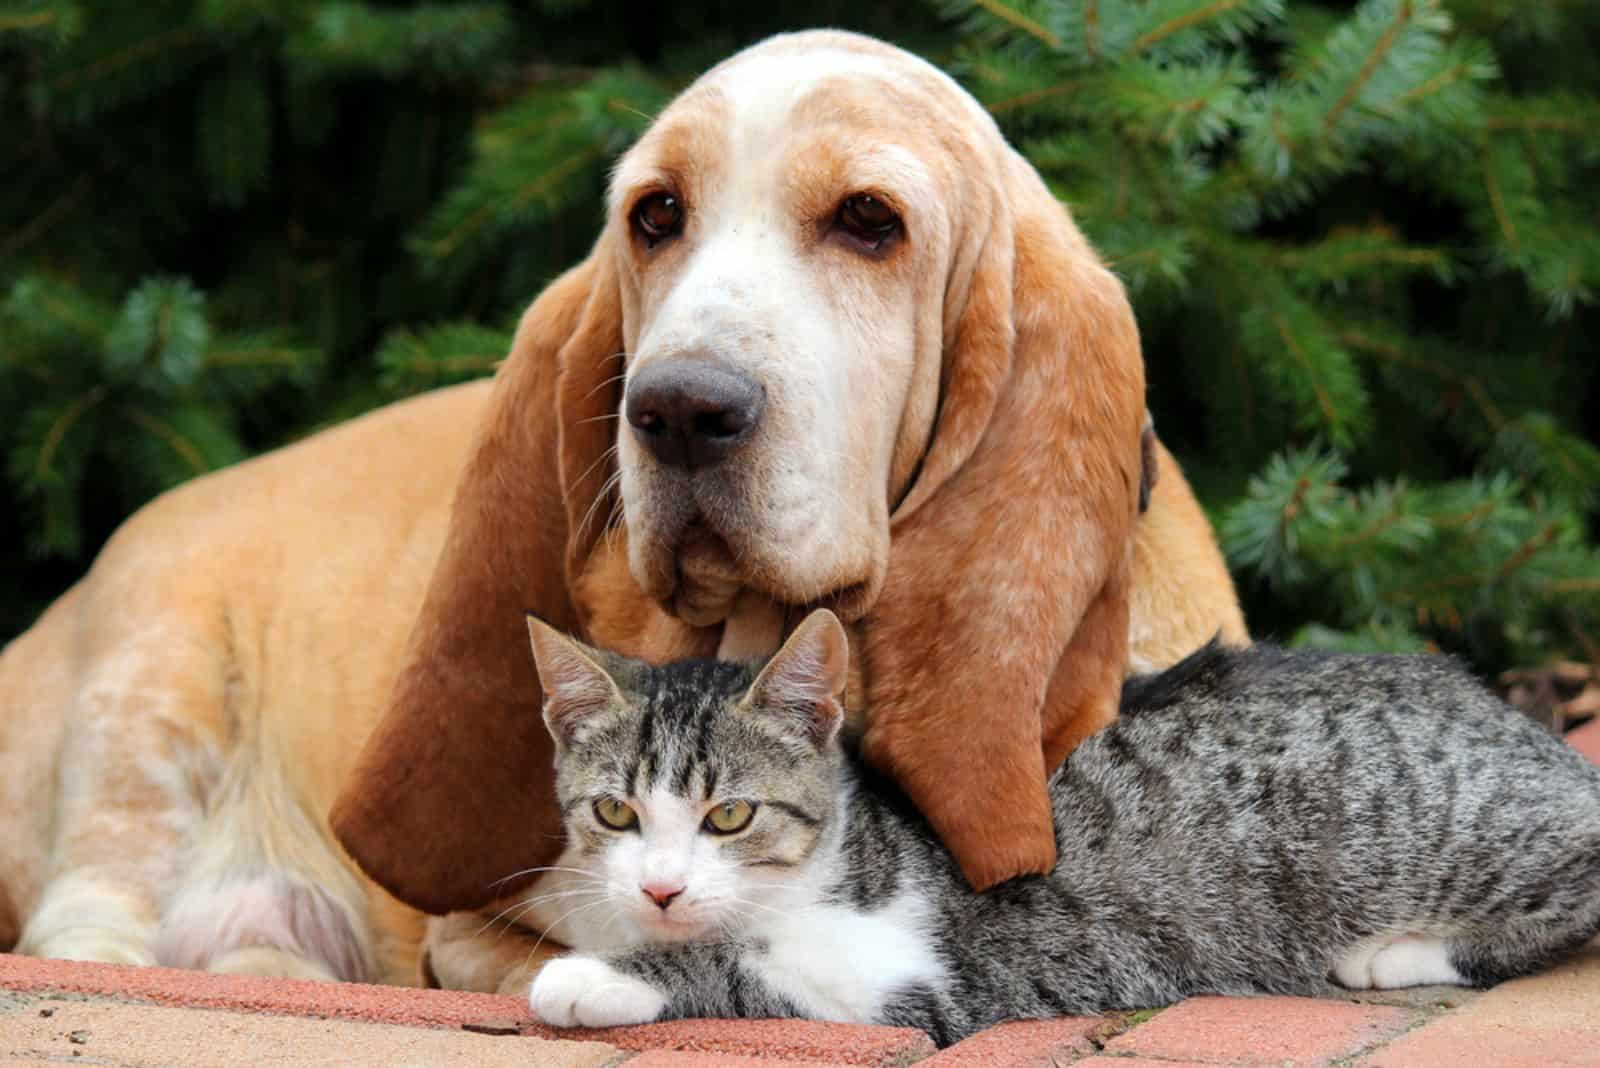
614,378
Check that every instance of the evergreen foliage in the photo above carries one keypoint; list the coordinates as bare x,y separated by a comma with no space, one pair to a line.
1361,241
1360,238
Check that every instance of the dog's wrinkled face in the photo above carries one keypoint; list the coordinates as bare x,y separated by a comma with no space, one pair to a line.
786,239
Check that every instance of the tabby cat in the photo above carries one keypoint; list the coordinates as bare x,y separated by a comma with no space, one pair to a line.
1256,821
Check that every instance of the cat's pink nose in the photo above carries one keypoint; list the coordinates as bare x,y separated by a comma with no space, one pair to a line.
661,893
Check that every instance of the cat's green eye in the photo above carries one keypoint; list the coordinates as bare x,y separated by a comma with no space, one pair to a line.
729,817
618,815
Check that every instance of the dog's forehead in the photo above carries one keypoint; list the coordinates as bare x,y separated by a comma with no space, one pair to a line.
763,97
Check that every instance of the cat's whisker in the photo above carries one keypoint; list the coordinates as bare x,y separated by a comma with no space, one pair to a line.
526,906
746,903
534,902
546,932
540,871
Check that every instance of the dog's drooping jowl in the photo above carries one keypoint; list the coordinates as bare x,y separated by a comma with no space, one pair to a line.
1256,822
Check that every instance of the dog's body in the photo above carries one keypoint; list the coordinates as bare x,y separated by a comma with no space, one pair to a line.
837,343
182,718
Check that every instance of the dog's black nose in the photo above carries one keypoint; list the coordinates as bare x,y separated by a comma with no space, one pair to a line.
693,412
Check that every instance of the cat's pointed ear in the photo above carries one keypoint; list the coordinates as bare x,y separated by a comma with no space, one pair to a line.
576,687
804,682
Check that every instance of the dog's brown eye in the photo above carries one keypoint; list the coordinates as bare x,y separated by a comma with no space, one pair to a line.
868,220
658,217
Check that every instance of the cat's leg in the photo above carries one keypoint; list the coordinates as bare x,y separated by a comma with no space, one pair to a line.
657,982
585,991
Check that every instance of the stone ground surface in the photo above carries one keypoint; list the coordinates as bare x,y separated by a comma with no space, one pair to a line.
54,1013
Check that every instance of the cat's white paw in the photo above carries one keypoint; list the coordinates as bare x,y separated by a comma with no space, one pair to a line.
1388,963
1414,960
580,991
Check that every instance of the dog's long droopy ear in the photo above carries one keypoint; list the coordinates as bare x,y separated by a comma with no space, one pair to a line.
999,639
452,792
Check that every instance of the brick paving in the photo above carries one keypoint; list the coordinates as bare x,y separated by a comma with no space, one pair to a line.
57,1013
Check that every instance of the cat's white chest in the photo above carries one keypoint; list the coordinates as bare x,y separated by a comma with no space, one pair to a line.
838,963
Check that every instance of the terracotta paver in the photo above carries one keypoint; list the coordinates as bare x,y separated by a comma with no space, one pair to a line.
150,1036
1022,1044
1548,1019
1138,1062
1262,1031
800,1040
677,1059
1586,739
795,1040
247,993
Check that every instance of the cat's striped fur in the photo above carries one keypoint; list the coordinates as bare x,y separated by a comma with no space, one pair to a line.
1258,821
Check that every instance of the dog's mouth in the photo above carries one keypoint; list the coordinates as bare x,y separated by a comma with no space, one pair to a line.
707,578
707,575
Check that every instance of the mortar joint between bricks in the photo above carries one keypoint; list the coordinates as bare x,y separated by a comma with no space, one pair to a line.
1421,1016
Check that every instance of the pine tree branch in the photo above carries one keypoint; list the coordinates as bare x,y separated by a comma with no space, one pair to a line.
1497,201
1372,530
1324,401
1436,84
1519,558
1395,354
252,358
42,223
1035,96
69,313
1181,23
447,244
181,37
1091,30
58,430
451,365
1013,17
1364,75
1573,585
28,22
1529,123
185,449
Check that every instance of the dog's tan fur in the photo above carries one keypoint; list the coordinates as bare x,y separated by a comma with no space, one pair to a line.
174,729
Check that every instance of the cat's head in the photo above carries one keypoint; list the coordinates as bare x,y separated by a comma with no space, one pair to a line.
695,794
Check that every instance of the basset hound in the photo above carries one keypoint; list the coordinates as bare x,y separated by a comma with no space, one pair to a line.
836,344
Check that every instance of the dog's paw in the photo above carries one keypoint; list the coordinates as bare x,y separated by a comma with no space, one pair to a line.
583,991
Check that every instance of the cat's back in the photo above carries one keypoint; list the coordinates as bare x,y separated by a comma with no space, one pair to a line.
1268,699
1218,680
1242,729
